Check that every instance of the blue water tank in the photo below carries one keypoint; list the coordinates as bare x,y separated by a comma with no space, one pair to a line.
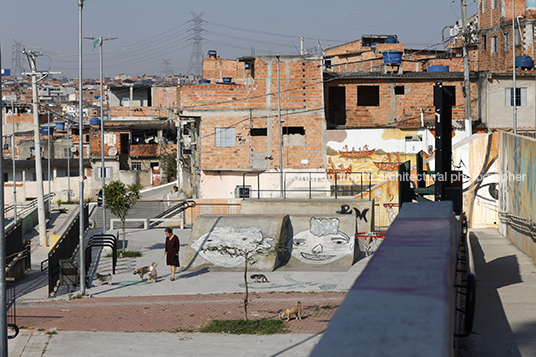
94,121
45,130
60,125
105,116
374,45
392,57
438,68
524,62
227,80
212,53
391,39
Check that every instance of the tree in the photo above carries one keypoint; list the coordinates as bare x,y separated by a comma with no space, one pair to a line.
169,164
248,253
119,199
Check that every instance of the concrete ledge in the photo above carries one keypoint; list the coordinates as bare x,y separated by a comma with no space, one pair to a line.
237,231
145,221
403,302
169,222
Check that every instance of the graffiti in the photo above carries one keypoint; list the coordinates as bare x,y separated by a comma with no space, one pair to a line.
241,238
322,243
345,209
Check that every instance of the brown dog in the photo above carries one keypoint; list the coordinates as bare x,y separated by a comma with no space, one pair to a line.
144,270
294,310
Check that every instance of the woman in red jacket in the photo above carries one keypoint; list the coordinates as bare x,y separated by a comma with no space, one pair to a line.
172,251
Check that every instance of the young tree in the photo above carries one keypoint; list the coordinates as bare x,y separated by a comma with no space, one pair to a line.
169,164
248,254
119,199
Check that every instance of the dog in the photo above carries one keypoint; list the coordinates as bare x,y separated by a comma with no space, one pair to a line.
260,277
294,310
152,275
144,270
103,278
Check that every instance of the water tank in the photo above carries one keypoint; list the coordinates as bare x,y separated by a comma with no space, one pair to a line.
438,68
524,62
227,79
94,121
392,57
45,130
374,45
212,53
60,125
204,81
105,116
391,39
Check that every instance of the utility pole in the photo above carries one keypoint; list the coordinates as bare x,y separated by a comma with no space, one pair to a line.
81,266
179,150
13,157
37,138
302,46
466,81
3,286
280,133
99,41
514,89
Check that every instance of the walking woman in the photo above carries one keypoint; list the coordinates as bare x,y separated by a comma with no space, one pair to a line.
172,251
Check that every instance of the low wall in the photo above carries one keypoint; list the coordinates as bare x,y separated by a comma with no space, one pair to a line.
240,231
402,304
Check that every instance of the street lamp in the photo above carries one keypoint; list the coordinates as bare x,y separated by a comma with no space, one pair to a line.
514,66
13,157
99,41
81,266
280,134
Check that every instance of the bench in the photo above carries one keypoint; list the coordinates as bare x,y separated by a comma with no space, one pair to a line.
147,221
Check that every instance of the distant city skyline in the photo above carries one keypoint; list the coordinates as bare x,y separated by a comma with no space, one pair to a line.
155,38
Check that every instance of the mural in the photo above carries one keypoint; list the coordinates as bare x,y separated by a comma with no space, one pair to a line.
242,238
322,243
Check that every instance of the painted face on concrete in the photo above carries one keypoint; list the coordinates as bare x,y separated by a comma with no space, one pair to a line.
245,238
322,243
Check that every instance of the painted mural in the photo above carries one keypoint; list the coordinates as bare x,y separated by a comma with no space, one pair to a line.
241,238
517,193
322,243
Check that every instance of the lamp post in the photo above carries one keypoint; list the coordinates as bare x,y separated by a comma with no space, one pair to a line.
48,161
514,66
81,266
280,133
13,157
99,41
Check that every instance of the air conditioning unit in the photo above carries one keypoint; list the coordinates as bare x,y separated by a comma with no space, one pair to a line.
243,191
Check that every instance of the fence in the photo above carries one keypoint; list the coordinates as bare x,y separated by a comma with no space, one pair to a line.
11,312
306,184
64,248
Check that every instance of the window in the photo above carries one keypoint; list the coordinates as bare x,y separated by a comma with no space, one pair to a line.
493,4
136,165
108,172
243,191
483,6
494,44
521,97
506,42
368,96
5,177
225,136
484,43
452,90
259,132
399,90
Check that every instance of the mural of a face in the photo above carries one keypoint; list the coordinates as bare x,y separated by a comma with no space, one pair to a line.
322,243
241,238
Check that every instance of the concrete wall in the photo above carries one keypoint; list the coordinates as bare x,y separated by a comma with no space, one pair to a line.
402,303
517,192
241,231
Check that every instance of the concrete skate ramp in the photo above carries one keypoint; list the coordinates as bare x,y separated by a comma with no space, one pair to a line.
321,242
235,231
361,210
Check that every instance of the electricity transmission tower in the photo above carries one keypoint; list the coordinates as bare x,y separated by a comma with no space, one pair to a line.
17,66
167,68
196,58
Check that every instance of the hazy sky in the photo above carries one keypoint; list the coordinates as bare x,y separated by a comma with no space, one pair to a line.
152,33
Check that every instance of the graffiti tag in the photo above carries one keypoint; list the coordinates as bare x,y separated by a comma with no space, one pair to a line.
345,209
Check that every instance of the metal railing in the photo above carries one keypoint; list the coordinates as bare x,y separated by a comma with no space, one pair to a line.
361,184
13,329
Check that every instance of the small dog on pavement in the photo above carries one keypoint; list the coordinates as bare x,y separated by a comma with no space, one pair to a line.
103,278
260,277
152,275
294,310
144,270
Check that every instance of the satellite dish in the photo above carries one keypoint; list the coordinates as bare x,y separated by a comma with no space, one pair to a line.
112,151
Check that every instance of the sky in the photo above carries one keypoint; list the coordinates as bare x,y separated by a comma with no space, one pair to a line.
155,37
